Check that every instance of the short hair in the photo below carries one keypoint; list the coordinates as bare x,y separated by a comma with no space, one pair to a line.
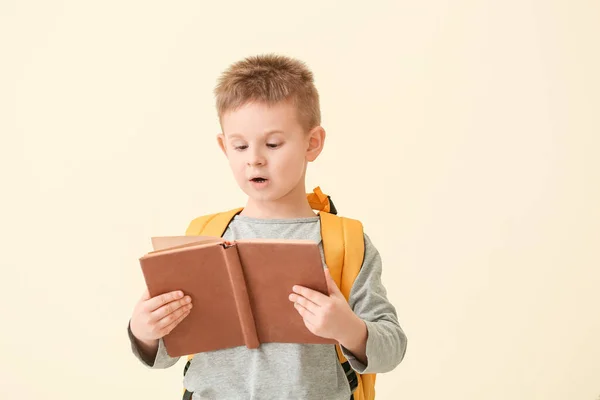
270,79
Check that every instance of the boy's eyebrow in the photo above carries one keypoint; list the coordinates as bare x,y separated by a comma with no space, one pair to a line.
273,131
240,136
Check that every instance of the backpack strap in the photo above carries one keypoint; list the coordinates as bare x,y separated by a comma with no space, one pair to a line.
212,224
344,248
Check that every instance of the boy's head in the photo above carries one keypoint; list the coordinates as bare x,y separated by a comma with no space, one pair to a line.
269,79
269,112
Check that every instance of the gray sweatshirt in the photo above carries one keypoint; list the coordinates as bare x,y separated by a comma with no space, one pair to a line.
295,371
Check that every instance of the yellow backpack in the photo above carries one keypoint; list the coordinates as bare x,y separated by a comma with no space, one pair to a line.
343,247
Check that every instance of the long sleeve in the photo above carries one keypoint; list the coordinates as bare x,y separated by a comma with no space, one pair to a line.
386,341
162,359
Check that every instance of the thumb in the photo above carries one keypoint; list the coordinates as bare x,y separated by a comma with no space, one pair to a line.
331,285
146,295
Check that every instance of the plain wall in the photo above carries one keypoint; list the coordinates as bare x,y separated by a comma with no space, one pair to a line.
463,134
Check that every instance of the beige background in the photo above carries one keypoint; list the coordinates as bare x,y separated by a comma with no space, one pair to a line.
464,134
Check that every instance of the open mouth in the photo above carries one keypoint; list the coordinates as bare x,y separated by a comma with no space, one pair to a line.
258,180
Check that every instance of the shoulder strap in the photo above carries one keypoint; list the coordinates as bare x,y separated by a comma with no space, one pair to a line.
212,224
344,248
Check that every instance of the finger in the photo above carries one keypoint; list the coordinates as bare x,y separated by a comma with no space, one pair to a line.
316,297
304,313
172,317
304,302
167,329
170,308
160,300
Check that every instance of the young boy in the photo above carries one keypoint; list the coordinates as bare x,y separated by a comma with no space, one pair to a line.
269,112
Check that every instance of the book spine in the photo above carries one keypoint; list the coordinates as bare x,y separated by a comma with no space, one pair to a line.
240,293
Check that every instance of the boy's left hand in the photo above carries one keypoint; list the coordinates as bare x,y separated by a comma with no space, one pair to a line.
330,316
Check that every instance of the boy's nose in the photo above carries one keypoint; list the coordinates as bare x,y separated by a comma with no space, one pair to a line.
255,162
256,159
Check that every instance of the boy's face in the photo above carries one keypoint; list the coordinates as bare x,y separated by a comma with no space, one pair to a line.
268,150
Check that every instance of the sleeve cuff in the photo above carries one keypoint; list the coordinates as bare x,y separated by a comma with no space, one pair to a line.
356,364
136,351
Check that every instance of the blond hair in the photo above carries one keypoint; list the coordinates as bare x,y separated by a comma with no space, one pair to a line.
269,79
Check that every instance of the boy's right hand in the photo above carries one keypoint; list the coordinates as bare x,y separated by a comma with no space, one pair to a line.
154,317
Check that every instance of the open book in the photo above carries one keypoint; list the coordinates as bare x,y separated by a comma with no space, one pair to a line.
239,290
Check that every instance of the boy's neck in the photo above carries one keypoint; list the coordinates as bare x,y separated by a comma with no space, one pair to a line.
294,205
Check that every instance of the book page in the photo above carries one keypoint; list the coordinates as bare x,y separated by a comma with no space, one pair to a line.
160,243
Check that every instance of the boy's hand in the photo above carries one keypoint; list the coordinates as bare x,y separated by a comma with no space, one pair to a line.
330,316
155,317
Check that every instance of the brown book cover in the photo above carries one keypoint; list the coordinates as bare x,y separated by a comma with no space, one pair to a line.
239,290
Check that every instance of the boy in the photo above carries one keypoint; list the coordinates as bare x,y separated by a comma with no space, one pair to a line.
269,113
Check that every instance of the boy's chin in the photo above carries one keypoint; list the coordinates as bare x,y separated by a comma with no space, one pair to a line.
269,193
263,195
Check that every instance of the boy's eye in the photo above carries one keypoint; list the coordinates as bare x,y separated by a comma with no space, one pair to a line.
243,147
272,145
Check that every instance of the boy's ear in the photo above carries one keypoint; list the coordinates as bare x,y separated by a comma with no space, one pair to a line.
316,141
221,141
